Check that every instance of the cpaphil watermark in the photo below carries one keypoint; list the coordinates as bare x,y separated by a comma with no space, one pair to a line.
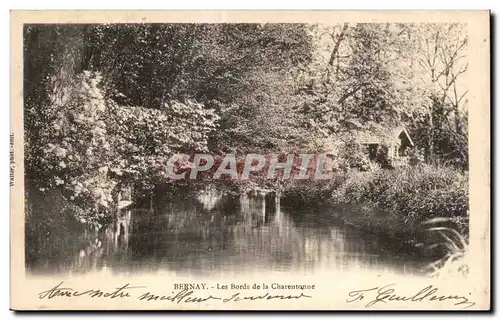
243,167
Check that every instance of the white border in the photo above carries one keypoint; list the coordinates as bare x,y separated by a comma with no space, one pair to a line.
191,5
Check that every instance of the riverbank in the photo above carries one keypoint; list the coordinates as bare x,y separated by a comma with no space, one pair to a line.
392,203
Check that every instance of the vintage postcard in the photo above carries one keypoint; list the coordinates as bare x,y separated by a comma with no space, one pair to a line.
250,160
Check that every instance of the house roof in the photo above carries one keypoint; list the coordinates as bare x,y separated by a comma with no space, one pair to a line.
379,135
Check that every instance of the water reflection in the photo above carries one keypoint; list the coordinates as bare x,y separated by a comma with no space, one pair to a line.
212,234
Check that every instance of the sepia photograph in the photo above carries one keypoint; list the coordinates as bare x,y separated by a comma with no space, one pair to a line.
207,164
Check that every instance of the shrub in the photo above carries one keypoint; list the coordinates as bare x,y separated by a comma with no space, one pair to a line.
401,198
422,192
89,146
352,156
311,192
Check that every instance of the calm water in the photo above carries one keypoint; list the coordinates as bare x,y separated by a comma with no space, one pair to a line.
212,234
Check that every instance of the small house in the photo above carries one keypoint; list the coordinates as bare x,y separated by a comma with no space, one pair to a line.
395,141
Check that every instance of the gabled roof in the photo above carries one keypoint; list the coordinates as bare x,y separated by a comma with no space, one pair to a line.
379,135
402,130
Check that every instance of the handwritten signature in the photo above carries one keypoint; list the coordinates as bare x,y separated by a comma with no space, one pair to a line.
60,291
388,293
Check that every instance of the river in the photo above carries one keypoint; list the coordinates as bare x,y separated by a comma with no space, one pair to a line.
210,235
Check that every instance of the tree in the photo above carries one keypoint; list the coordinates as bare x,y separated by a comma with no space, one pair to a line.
442,56
369,75
92,147
371,84
106,105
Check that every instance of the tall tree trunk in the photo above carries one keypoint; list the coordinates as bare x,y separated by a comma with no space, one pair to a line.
335,51
431,134
115,194
337,44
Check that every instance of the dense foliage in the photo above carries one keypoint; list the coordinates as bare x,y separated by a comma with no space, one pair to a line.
90,145
106,105
394,202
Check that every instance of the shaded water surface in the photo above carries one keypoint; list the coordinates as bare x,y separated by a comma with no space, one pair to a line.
211,234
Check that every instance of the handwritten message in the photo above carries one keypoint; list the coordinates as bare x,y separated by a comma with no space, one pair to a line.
387,295
187,294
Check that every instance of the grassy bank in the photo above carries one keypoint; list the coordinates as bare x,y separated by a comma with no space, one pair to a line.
394,203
